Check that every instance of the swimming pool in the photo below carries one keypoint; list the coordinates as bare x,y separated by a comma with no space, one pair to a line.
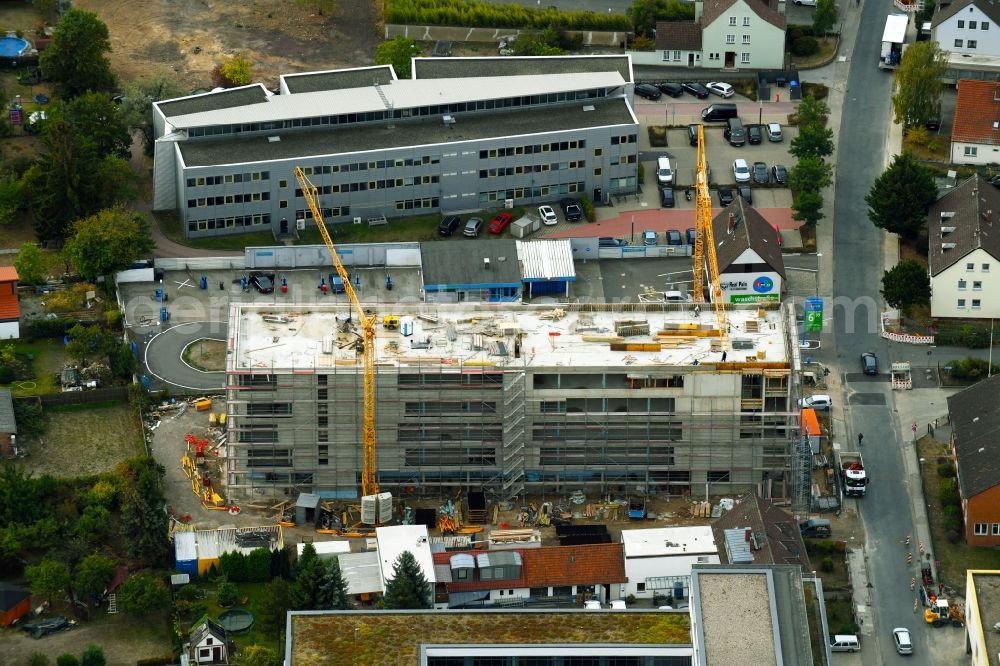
13,47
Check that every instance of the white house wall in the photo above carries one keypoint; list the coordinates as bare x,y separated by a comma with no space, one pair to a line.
987,41
10,330
767,42
946,289
974,153
638,570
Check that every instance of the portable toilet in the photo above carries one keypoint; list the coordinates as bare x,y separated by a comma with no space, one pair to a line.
810,429
406,326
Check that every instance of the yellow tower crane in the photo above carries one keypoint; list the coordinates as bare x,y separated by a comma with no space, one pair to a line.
369,485
704,237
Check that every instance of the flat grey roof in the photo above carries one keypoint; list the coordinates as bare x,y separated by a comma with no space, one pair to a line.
214,101
447,68
461,263
338,79
424,131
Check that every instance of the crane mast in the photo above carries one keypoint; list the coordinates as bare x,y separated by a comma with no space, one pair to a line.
704,238
369,485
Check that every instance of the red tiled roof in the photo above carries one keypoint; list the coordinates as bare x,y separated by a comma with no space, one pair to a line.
678,36
10,309
713,9
8,274
976,110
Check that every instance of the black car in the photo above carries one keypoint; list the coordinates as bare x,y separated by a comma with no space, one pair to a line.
671,89
667,197
725,195
572,210
674,237
780,174
746,193
760,174
693,134
690,235
869,363
648,91
933,124
262,282
754,135
449,225
696,89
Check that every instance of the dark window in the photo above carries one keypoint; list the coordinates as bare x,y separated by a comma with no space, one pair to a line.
718,476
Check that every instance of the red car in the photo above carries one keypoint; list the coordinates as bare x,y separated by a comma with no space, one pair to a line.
499,223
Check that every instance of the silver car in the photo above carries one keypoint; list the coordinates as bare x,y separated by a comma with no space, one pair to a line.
901,637
741,171
774,133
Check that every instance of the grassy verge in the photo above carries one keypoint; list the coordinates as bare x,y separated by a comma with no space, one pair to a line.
827,49
840,616
954,558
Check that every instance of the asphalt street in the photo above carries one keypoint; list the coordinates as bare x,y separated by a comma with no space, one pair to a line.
857,273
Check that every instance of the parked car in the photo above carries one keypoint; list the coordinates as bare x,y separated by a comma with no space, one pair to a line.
933,124
774,133
572,210
760,173
815,528
869,363
648,91
671,89
807,3
262,282
725,195
667,197
690,235
449,225
499,223
664,171
780,174
548,215
696,89
746,193
693,135
901,637
754,135
607,241
819,402
741,171
674,237
649,237
473,226
721,89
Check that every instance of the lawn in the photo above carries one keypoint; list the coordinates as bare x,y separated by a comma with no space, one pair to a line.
47,360
840,616
827,49
954,558
254,594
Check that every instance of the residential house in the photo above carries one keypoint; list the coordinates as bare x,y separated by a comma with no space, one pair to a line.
975,418
967,27
10,307
975,134
8,425
524,576
982,610
15,603
208,644
658,561
757,531
963,253
741,34
751,268
678,43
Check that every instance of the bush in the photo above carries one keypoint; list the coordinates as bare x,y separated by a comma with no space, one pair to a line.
945,470
972,369
588,208
164,660
826,564
805,46
48,328
953,536
952,511
189,593
947,491
227,594
973,337
487,15
953,524
643,44
657,135
234,566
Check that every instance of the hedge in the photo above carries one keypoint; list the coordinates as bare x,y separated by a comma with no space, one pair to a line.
482,15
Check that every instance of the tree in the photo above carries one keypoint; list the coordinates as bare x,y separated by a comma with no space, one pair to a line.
93,574
48,579
92,655
235,71
67,660
137,103
108,242
645,13
918,84
812,111
807,206
529,44
899,198
85,342
227,594
143,522
142,594
258,565
77,57
824,17
333,590
94,119
257,655
408,587
275,604
309,574
30,264
906,284
11,198
813,140
30,417
398,53
810,173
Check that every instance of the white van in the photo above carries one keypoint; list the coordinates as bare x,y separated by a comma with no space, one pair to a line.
845,643
664,172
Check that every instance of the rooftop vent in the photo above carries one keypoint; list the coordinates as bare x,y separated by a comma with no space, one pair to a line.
448,120
948,246
589,107
947,214
273,139
946,230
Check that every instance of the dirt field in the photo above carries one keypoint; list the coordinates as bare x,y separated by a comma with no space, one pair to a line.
207,355
85,440
191,37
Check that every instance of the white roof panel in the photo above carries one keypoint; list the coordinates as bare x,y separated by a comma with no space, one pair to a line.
669,541
546,259
361,572
185,546
394,540
328,547
895,28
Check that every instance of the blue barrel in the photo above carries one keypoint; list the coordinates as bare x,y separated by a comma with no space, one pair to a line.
204,282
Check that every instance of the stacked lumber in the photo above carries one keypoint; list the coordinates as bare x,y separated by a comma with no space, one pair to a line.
514,535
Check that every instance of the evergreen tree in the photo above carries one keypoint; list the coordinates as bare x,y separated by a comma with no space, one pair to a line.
900,197
309,574
333,589
408,587
275,605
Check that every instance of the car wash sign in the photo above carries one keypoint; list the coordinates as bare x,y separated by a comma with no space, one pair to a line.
750,287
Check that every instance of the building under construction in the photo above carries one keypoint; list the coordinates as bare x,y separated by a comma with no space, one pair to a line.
514,399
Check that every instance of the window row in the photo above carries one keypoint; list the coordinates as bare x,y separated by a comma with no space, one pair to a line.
980,529
365,185
970,267
250,177
733,20
983,25
416,204
969,44
977,285
531,168
225,200
328,213
373,164
532,149
229,222
976,303
444,408
731,39
531,192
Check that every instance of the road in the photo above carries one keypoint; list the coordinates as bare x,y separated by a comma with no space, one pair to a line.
857,271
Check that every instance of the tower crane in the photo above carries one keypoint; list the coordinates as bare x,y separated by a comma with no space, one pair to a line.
369,485
704,238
